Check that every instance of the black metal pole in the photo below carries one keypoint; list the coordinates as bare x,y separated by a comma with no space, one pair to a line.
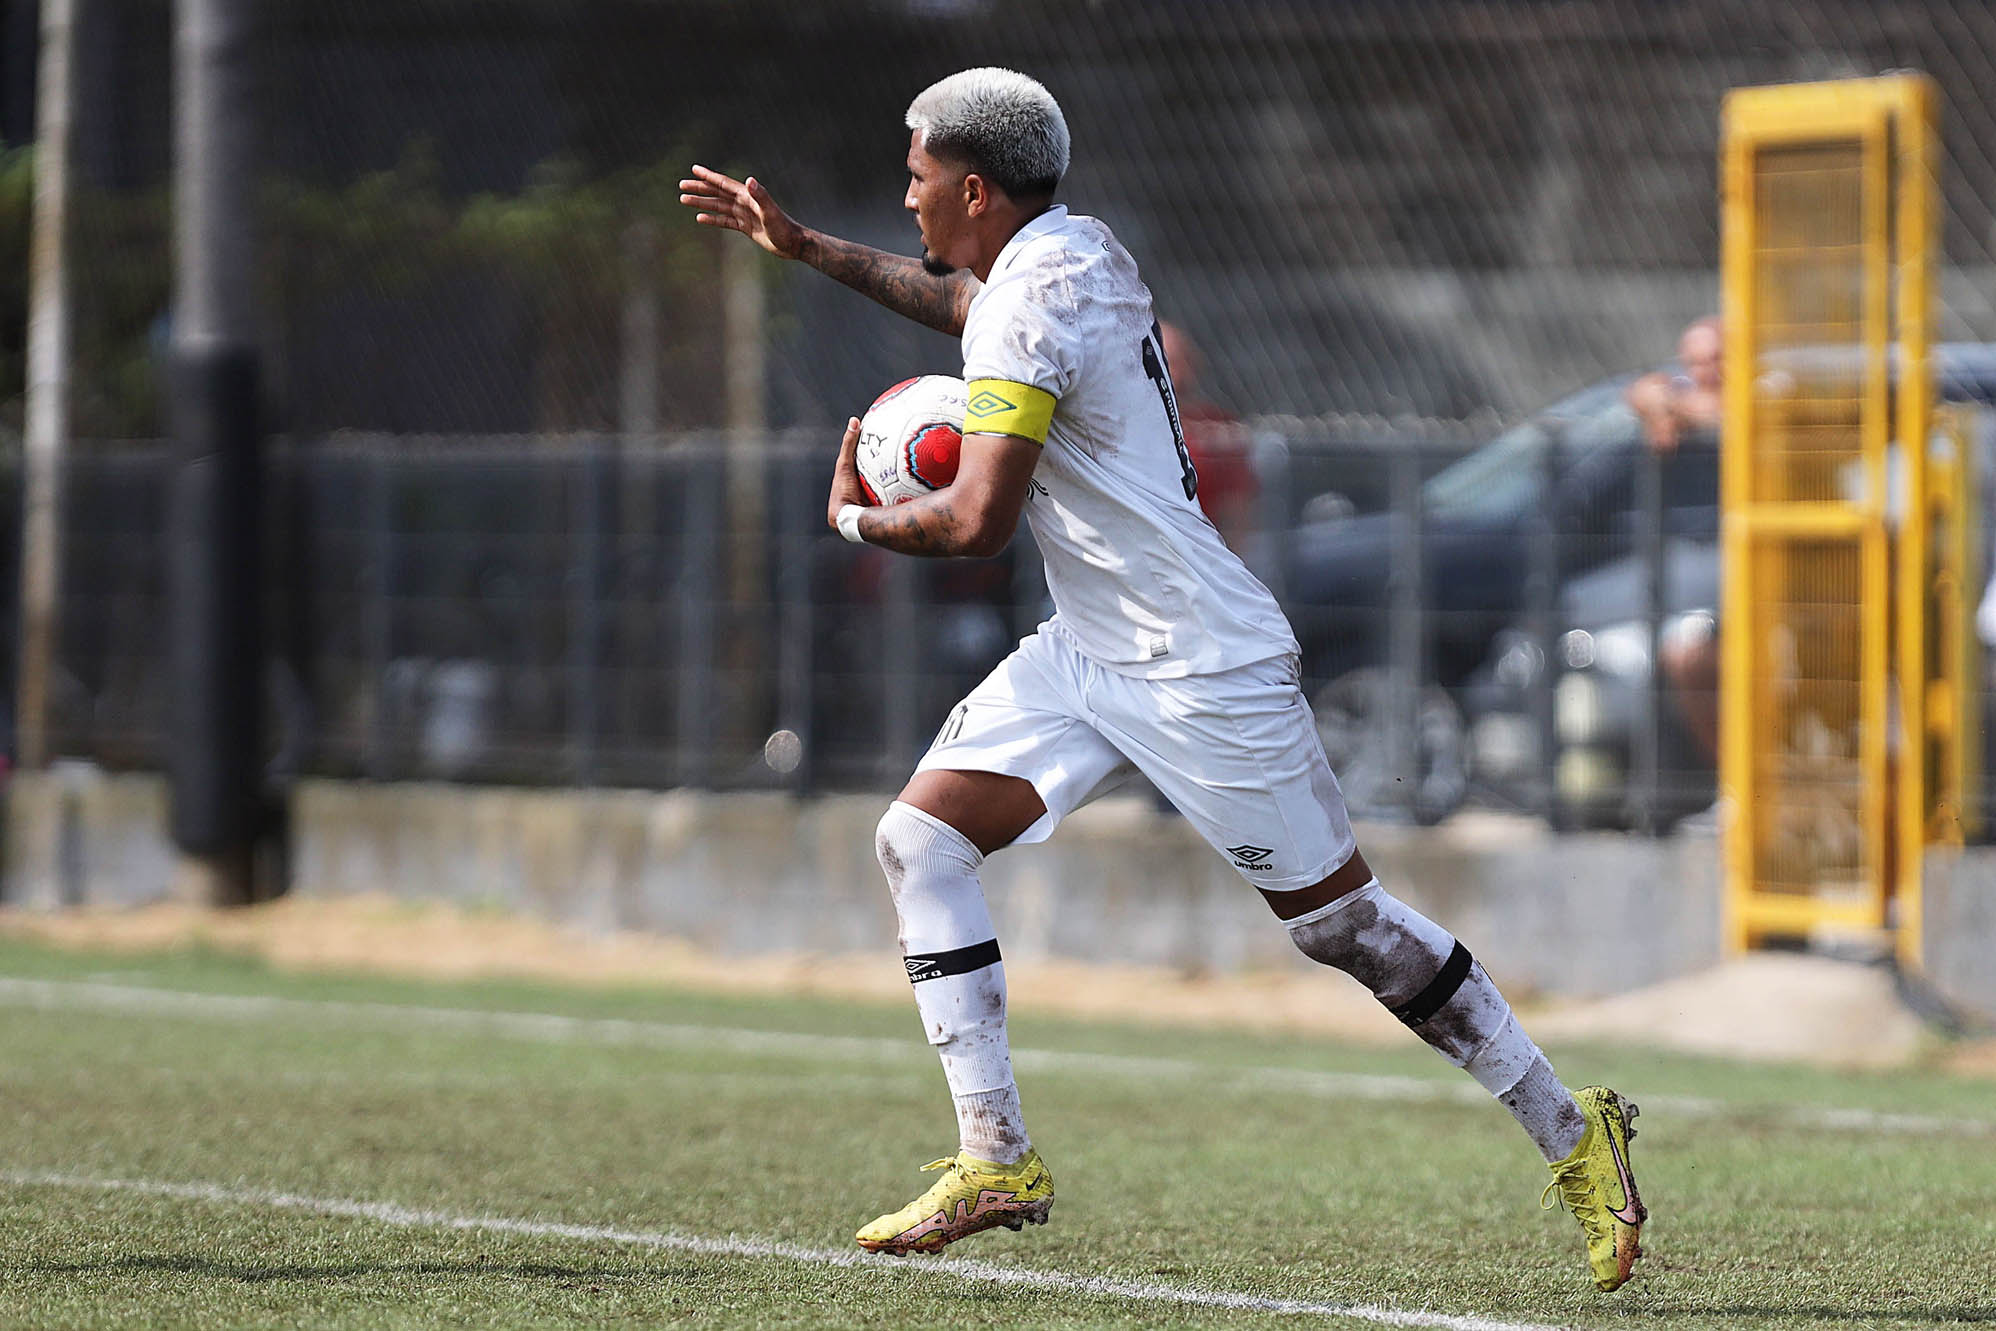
903,665
798,538
214,587
591,521
1542,603
698,590
1653,543
1407,628
214,548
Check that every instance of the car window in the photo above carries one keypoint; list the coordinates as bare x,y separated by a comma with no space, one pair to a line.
1501,479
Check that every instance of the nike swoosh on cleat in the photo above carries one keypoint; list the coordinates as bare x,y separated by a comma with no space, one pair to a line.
1630,1212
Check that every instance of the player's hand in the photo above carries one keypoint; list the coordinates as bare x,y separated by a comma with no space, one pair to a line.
845,477
744,206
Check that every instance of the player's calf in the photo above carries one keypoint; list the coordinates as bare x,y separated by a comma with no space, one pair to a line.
1429,980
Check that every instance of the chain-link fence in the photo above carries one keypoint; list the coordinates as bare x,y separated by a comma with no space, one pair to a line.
504,550
1527,624
496,610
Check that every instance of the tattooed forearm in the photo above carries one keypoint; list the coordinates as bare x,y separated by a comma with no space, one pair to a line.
895,280
932,525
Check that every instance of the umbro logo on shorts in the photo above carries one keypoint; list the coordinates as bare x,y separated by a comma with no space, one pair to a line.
1250,857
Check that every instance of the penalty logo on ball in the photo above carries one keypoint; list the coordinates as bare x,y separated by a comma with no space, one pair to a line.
910,439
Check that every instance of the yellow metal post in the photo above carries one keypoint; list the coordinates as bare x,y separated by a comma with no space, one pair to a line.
1827,271
1916,242
1739,314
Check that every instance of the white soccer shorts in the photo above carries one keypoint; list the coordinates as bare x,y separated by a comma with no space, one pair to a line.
1236,752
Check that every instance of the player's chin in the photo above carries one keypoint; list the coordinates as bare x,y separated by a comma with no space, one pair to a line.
935,267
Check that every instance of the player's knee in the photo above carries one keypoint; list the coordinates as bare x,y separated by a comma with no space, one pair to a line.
889,845
912,845
1328,933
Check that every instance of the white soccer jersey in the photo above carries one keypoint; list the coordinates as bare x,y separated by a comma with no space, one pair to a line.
1141,580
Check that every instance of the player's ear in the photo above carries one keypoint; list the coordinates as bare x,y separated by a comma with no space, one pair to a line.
976,194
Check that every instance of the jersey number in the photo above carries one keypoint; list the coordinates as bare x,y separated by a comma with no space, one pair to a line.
1160,375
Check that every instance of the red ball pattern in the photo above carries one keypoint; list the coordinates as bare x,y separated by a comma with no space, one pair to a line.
933,454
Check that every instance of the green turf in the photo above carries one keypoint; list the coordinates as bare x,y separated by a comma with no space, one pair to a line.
1214,1176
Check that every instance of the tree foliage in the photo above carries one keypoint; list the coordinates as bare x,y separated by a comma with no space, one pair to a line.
495,287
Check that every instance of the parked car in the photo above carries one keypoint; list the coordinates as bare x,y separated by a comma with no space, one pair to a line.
1482,518
1479,521
1602,666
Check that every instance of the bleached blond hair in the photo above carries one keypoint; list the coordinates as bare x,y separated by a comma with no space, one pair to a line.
1003,125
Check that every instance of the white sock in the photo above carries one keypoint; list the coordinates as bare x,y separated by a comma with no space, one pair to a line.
951,953
1428,980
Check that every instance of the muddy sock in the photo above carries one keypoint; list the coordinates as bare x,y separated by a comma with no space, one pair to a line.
1430,982
990,1126
1546,1110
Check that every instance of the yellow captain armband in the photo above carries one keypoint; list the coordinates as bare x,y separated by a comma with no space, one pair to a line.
999,406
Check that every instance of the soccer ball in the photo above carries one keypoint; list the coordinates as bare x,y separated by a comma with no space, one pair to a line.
910,438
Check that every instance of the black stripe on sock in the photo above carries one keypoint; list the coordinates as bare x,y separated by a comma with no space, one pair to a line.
956,961
1416,1010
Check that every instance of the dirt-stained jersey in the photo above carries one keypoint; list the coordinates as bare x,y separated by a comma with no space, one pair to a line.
1141,580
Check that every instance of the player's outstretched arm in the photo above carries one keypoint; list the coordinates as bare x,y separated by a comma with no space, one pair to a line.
895,280
973,516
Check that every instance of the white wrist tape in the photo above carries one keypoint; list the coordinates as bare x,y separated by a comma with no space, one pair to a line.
848,523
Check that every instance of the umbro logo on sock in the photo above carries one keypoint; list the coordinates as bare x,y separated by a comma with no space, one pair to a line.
956,961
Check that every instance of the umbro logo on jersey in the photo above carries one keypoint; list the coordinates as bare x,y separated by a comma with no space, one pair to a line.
988,403
1249,855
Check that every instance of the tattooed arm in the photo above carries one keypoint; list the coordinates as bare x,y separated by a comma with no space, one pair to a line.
895,280
974,516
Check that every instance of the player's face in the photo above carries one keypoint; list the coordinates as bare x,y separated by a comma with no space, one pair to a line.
935,196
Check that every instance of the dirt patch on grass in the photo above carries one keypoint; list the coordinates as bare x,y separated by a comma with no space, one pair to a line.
1768,1006
382,935
1781,1006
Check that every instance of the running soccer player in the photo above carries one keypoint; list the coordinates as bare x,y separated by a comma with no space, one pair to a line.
1164,655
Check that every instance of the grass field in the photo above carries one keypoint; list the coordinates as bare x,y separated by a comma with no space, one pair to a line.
195,1140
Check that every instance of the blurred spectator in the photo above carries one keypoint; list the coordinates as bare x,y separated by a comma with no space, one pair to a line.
1671,406
1217,441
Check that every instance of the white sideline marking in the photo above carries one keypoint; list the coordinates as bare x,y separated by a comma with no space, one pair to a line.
554,1028
954,1268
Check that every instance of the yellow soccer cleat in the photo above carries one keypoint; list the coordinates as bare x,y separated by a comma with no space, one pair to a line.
972,1196
1597,1185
